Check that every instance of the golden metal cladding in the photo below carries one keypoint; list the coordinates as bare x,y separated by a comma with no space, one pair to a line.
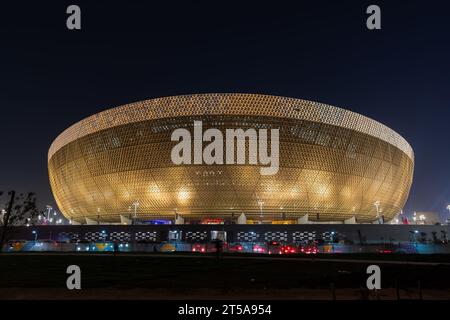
334,163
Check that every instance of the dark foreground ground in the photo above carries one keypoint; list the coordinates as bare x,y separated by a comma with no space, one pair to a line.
181,276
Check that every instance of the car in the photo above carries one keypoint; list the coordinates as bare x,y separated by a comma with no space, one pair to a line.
199,247
385,251
309,249
258,248
204,247
274,247
167,247
236,247
289,249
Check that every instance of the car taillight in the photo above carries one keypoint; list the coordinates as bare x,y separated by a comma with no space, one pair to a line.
203,249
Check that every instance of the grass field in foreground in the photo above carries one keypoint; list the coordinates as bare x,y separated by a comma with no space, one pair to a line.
176,272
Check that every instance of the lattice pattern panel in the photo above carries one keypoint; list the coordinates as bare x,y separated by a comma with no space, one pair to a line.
243,236
330,236
95,236
279,236
120,236
304,236
149,236
253,104
334,164
196,236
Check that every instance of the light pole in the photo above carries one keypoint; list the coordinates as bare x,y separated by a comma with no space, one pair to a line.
49,208
54,217
260,202
135,205
377,206
98,216
35,235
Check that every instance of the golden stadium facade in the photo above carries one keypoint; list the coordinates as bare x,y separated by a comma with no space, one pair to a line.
334,164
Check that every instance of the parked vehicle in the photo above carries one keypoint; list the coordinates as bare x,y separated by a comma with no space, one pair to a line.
259,248
204,247
289,249
309,249
274,247
235,247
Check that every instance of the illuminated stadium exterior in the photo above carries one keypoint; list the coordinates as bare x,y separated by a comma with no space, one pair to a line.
334,164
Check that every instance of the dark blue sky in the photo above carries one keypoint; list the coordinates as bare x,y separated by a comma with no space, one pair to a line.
318,50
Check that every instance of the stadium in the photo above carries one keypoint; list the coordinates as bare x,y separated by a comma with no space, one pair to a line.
335,165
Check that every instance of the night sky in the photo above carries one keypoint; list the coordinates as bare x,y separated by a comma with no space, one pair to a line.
129,51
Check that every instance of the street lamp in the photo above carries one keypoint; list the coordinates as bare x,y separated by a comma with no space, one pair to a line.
35,235
260,202
135,205
98,216
49,208
377,206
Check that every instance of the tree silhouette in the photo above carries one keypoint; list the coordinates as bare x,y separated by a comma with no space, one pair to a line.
17,210
23,209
